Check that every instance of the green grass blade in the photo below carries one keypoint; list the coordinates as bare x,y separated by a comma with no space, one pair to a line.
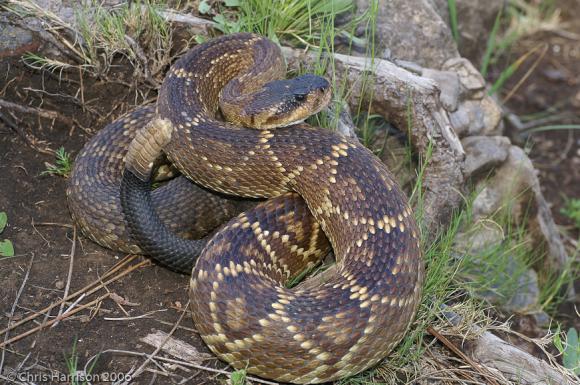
503,77
3,221
491,43
571,356
511,69
452,5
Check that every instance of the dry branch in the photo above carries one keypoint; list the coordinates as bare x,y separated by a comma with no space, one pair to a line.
175,347
47,114
493,353
197,24
478,368
53,321
514,363
158,348
70,270
87,290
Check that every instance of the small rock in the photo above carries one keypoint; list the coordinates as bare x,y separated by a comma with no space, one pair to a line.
542,319
412,30
468,119
15,41
478,239
477,117
513,178
522,298
527,294
449,84
515,185
492,122
470,78
487,201
482,153
59,284
554,74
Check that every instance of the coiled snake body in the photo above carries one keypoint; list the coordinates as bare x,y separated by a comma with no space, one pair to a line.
329,327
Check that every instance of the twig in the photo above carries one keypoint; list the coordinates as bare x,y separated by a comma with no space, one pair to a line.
146,315
192,330
66,225
198,24
83,290
49,323
47,114
68,309
81,89
484,372
112,296
141,368
65,97
70,269
526,75
184,363
18,294
513,363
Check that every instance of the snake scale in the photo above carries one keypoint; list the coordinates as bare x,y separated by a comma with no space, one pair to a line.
332,326
94,201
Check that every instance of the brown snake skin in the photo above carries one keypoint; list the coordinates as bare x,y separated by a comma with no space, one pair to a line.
93,191
327,328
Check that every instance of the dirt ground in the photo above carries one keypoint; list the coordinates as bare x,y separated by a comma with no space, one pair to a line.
550,95
41,228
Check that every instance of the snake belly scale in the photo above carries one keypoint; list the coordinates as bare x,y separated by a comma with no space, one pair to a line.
319,331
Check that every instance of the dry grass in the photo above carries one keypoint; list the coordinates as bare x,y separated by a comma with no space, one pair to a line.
100,36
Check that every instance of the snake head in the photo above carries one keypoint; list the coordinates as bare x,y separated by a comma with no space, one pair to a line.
282,103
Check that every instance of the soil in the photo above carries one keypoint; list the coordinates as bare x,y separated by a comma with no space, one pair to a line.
40,228
551,90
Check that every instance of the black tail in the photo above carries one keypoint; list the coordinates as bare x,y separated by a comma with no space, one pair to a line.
146,228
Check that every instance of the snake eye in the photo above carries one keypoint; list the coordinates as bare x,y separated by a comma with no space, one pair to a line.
299,97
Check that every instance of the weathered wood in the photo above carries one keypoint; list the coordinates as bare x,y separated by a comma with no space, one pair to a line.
175,347
513,363
197,24
516,365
